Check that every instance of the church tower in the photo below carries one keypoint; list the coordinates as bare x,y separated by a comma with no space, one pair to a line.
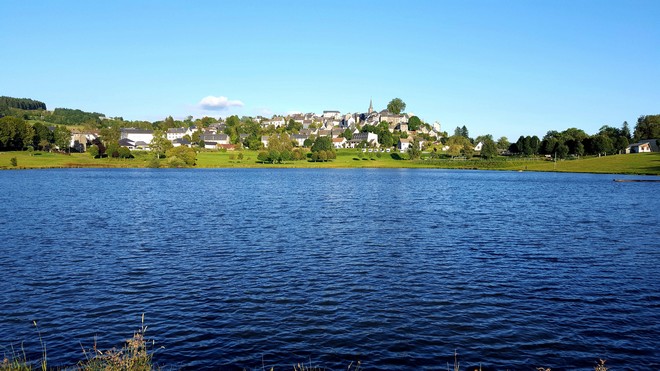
371,106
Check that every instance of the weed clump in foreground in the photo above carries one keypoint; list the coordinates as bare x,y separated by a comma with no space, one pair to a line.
135,355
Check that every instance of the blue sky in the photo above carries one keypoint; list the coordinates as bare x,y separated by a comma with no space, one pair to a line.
499,67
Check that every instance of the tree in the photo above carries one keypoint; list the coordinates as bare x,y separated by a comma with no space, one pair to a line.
293,126
396,106
489,149
386,139
124,152
549,145
621,143
464,132
414,123
503,143
601,144
609,131
169,123
575,134
458,144
15,133
232,128
274,156
44,145
112,149
468,149
483,138
62,137
562,150
280,143
527,146
348,134
518,146
322,144
93,151
159,143
186,154
110,134
648,127
298,154
625,131
535,144
413,151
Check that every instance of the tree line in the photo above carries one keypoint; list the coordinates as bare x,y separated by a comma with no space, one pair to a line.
21,103
16,134
570,142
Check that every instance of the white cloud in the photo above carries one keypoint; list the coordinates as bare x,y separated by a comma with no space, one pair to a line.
212,103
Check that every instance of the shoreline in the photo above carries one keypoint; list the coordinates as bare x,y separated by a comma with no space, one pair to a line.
639,164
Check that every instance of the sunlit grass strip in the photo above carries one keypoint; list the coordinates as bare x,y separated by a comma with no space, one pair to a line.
642,163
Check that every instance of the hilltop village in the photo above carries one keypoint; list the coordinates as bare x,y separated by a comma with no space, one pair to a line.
344,131
26,125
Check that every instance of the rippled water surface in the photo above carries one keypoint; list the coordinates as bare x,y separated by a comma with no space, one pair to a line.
395,268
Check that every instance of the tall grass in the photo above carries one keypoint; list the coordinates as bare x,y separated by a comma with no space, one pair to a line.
135,355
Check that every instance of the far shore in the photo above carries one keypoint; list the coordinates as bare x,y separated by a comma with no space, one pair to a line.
632,164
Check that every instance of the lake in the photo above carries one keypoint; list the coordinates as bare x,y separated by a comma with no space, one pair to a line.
396,268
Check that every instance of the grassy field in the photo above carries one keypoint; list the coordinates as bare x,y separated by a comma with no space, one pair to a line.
647,163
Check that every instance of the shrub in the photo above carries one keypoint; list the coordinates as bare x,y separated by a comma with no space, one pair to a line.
124,152
185,154
13,161
154,163
93,151
175,162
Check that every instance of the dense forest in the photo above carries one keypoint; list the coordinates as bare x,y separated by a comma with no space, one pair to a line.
6,103
67,116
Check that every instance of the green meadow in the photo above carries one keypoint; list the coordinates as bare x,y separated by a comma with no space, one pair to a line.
643,163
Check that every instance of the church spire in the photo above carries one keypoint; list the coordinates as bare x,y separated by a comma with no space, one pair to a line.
371,106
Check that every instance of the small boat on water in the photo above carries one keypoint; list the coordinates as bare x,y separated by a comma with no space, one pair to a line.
637,180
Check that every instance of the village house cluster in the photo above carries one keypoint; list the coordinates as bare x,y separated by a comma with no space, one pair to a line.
331,124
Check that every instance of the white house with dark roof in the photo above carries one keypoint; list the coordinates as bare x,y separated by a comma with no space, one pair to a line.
335,115
370,138
137,135
178,133
643,146
212,141
181,142
403,145
299,139
276,121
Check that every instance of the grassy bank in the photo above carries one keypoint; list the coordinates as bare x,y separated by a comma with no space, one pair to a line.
645,163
